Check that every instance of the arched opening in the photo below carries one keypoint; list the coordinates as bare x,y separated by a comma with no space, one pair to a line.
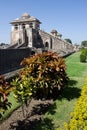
16,27
23,26
31,25
19,41
51,44
46,44
26,38
32,52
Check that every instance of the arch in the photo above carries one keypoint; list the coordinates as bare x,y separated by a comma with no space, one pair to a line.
26,37
19,41
23,26
46,44
16,27
32,52
31,25
51,43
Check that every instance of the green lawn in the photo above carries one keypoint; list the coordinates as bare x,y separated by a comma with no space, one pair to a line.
60,111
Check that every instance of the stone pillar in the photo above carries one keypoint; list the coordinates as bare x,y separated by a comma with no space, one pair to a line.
50,43
27,26
34,25
30,37
20,27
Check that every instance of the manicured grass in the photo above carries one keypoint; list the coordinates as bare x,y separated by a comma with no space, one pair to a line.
60,111
74,67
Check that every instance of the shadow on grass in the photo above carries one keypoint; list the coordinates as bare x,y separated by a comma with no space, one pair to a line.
72,82
70,92
52,109
46,124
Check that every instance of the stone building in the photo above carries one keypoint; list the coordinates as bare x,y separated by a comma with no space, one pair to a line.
26,32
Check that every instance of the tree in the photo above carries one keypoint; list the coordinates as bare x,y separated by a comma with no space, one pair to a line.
84,43
68,40
2,44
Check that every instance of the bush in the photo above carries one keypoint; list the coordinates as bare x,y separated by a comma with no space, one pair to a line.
84,51
47,72
24,88
78,119
83,55
82,58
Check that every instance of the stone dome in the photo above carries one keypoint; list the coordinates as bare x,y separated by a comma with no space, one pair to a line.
54,31
25,15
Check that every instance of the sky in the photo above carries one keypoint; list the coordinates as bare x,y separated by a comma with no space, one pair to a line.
68,17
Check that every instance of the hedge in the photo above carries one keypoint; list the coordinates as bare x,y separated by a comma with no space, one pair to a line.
78,119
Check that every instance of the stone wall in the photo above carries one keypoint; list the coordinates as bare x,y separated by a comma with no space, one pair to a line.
56,44
10,59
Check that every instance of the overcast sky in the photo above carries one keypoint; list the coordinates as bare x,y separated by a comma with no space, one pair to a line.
68,17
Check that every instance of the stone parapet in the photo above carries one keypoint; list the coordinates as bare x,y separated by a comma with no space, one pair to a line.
10,59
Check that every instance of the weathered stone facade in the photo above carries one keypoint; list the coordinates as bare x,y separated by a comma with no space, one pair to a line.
26,33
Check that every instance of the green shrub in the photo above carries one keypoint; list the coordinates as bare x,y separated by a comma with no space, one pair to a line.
23,89
82,58
83,55
84,51
78,119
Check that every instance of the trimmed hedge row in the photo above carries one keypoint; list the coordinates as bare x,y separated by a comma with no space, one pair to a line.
78,119
83,55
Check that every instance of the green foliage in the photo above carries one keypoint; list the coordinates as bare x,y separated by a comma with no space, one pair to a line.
4,92
47,71
23,88
83,55
82,58
84,43
78,119
84,51
68,40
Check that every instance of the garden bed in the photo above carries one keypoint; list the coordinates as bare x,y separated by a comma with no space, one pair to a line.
35,111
